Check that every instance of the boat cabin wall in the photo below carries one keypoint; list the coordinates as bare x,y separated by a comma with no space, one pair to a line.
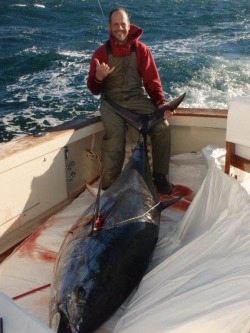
191,132
83,163
198,138
38,176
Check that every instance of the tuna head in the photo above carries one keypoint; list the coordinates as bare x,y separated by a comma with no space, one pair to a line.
72,288
96,274
68,317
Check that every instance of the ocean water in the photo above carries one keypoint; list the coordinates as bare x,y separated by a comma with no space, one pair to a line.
200,46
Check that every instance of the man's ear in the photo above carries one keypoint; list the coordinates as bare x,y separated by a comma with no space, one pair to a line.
109,26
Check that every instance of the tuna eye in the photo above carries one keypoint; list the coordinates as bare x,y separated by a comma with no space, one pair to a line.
80,293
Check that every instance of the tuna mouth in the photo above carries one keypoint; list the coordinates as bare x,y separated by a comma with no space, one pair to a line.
60,323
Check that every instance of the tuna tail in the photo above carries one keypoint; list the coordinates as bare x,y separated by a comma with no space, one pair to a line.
144,122
158,115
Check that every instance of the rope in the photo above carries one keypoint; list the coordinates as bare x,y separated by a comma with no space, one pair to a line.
91,154
132,218
101,10
31,291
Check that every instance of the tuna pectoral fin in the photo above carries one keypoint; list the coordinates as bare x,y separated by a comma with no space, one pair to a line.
166,204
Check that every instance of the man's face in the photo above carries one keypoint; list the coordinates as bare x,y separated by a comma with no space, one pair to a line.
119,26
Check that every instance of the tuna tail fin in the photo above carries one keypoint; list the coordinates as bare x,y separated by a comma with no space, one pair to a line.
144,122
158,115
165,204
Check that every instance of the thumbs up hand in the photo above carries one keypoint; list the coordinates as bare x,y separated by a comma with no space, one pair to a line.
102,70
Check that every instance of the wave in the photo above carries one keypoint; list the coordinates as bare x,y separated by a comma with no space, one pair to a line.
214,86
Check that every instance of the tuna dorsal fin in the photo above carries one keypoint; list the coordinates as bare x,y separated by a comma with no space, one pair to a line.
143,123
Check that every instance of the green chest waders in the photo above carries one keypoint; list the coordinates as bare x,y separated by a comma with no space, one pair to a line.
124,86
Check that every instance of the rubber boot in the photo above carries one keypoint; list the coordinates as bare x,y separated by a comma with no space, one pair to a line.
162,183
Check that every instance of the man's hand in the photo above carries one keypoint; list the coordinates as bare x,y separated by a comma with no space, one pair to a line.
167,114
102,70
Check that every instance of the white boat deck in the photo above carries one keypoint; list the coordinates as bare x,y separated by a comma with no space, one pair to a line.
199,271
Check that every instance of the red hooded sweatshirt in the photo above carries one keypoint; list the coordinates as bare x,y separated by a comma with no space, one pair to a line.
146,65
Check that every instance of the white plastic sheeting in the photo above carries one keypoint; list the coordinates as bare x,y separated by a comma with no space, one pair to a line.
204,286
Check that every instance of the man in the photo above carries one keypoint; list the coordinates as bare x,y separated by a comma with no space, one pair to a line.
123,69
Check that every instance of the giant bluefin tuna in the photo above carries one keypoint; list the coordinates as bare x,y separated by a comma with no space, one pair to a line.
101,262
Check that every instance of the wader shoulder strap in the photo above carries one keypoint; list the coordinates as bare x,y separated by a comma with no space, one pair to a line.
109,47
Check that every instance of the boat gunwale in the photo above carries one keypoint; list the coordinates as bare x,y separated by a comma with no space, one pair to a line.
199,112
20,143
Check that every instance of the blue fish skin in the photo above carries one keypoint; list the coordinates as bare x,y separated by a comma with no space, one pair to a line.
99,266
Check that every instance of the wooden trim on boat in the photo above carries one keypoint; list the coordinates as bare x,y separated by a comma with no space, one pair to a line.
215,113
20,144
232,159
